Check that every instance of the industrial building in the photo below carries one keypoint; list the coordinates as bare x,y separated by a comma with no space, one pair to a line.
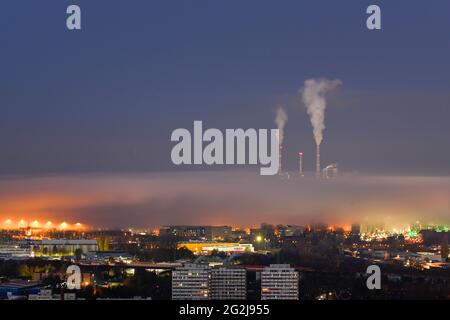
330,171
62,247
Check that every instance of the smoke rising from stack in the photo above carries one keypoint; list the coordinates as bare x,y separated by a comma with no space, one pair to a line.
313,94
280,120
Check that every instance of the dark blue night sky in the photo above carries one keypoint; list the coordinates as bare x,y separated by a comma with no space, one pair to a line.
106,98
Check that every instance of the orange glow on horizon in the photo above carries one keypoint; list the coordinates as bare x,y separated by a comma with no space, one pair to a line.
10,224
347,228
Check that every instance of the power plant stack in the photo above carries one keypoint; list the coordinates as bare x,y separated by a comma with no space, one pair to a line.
280,170
280,120
300,157
318,161
313,96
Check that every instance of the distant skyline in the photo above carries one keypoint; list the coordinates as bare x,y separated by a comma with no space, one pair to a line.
106,99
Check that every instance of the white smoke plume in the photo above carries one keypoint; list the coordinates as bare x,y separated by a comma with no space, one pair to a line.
313,97
280,120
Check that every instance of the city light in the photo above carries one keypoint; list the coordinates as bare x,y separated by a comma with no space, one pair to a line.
224,155
22,223
36,226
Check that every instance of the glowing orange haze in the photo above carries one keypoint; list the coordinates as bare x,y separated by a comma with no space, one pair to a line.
11,224
218,198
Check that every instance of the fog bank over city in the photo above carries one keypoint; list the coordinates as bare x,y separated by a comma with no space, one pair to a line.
234,198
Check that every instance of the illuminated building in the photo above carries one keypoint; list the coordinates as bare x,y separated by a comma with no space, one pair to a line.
190,282
190,232
15,252
46,294
208,247
13,289
279,282
430,257
372,228
200,282
197,232
62,247
228,283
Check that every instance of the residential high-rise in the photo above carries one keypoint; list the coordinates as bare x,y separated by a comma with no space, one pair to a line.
228,283
279,282
190,282
200,282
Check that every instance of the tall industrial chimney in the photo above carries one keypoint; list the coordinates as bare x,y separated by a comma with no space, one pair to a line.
318,161
280,171
300,157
